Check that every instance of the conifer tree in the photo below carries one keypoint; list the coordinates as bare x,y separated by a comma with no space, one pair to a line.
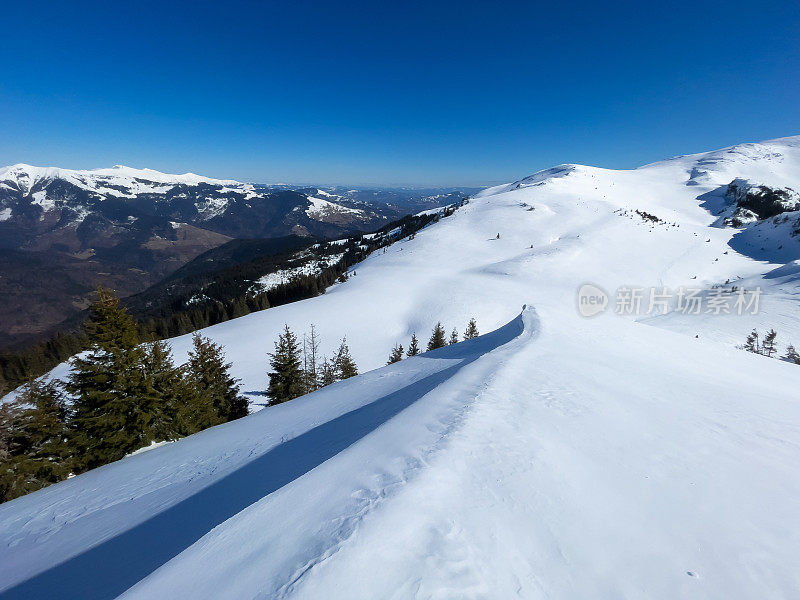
768,345
218,392
286,377
345,366
327,372
396,355
173,391
752,345
472,330
34,440
454,336
792,355
413,347
438,338
115,406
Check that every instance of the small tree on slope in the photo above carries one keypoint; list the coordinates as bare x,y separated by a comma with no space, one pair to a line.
752,345
413,347
344,364
286,377
768,345
438,338
472,330
792,355
217,389
454,336
396,355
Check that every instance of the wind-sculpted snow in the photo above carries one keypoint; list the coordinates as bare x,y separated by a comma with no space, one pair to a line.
133,516
633,454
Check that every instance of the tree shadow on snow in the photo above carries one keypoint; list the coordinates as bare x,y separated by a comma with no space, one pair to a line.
113,566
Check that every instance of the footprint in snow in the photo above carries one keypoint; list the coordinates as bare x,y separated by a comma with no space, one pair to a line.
691,574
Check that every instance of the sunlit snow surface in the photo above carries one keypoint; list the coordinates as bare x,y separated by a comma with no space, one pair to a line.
559,457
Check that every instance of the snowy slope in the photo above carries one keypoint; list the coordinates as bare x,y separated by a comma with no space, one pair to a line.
634,456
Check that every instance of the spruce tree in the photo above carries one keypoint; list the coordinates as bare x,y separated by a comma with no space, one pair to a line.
327,372
751,345
768,345
472,330
286,377
172,389
115,407
792,355
35,444
454,336
413,347
218,391
344,364
396,355
438,338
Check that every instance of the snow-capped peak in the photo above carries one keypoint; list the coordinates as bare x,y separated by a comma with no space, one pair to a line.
24,177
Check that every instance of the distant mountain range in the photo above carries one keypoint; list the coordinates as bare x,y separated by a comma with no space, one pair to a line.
64,231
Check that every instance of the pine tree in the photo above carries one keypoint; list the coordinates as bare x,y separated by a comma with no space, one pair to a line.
454,337
172,390
792,355
438,338
115,406
327,372
471,331
286,377
35,440
345,366
396,355
218,391
768,345
751,345
413,347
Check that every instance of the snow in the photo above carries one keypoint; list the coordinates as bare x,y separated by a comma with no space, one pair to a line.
5,214
313,267
559,456
99,180
319,208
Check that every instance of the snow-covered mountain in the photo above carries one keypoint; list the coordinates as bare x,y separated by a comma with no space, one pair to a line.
129,228
636,453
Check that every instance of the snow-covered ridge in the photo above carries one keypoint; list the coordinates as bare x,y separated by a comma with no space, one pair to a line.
26,176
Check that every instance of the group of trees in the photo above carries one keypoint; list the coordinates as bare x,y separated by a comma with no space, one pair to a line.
768,346
121,395
298,369
225,295
438,339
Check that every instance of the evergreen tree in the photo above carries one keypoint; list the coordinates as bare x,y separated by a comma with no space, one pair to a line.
438,338
413,347
752,345
115,407
345,366
327,372
286,377
173,391
454,337
472,330
35,447
396,355
218,397
768,345
792,355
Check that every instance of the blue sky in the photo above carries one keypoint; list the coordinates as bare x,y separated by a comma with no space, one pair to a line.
442,93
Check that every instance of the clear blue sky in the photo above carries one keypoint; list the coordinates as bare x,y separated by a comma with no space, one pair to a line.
403,92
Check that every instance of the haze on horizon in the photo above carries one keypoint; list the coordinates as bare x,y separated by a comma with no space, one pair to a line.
414,94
